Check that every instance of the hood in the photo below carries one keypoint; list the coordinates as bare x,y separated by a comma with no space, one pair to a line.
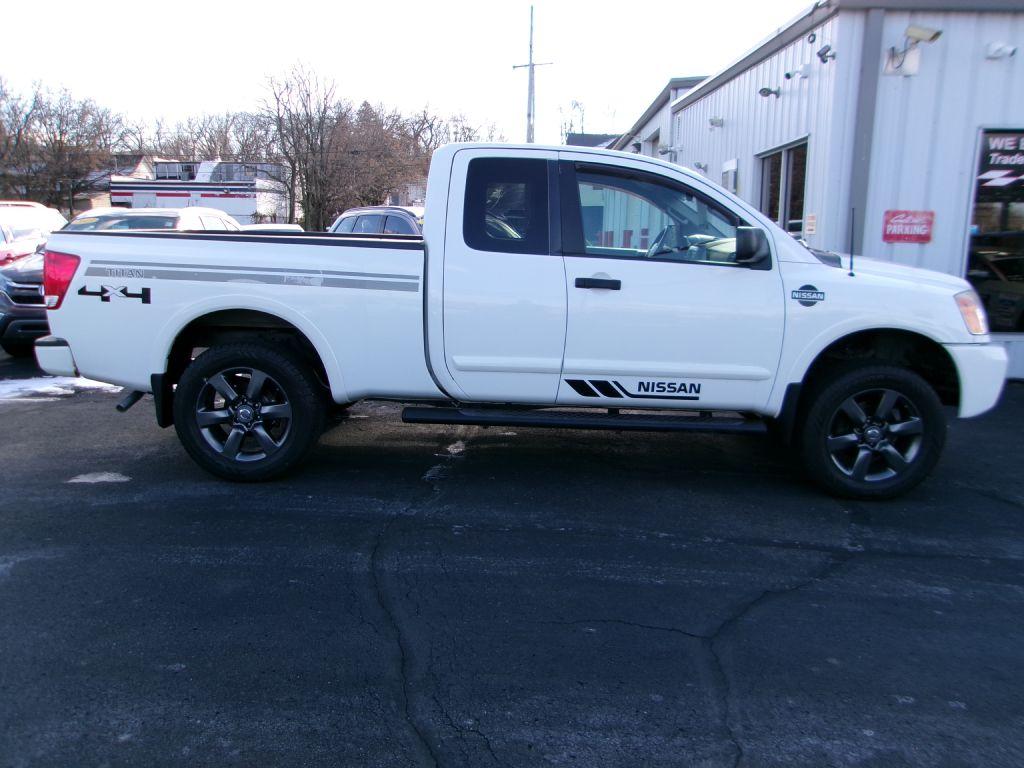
886,269
28,269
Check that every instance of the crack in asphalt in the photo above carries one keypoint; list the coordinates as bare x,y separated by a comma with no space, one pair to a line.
403,653
708,641
429,753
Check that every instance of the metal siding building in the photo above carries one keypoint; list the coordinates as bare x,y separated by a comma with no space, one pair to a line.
869,144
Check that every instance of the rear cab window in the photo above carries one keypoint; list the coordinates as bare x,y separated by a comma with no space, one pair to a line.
506,205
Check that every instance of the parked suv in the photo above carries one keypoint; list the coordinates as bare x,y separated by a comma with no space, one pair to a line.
380,220
22,313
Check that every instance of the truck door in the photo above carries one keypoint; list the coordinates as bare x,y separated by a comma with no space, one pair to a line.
660,315
504,304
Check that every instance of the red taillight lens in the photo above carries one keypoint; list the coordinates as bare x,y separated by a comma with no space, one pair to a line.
58,271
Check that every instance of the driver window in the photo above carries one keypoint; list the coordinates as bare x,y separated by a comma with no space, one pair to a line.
639,217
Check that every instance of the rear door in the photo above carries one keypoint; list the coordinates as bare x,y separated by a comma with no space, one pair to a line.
660,315
504,302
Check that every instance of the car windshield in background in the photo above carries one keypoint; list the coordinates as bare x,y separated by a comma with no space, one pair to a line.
116,222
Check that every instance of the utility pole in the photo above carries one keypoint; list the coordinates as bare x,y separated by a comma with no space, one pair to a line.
530,86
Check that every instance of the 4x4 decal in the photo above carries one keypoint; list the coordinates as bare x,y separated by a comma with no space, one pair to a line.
106,292
646,390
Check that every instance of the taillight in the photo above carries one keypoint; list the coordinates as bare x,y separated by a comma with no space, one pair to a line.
58,271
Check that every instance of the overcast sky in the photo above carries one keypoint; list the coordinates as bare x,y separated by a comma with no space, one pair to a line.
171,59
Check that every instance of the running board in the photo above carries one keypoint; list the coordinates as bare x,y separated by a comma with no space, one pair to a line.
494,417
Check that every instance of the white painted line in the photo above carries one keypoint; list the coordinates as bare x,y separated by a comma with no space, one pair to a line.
100,477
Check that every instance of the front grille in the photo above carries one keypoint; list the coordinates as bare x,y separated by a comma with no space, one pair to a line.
25,293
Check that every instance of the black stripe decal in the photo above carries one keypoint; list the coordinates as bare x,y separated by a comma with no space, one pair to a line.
656,397
605,388
581,387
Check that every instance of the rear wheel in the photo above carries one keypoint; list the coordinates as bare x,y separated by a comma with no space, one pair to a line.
248,412
872,432
17,348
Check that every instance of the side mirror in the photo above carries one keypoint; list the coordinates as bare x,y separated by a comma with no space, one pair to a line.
752,249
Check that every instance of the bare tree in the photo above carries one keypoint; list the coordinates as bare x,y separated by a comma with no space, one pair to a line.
307,114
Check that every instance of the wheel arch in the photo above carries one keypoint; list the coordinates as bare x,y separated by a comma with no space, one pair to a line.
223,320
897,346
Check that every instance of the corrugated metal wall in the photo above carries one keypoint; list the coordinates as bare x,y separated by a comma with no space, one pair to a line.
818,107
926,130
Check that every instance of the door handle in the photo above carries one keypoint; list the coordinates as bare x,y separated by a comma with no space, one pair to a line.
599,282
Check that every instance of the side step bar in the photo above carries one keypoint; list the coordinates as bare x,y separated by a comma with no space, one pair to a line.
494,417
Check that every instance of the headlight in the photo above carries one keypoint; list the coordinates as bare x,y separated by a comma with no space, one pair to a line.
973,312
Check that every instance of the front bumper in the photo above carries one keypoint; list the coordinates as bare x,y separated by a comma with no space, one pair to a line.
981,369
54,356
21,322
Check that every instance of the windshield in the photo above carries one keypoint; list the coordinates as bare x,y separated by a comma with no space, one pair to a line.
122,221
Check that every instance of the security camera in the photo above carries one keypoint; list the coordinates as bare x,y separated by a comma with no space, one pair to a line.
922,34
1000,50
825,53
766,92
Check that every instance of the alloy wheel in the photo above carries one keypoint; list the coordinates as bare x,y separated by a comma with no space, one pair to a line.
243,414
875,435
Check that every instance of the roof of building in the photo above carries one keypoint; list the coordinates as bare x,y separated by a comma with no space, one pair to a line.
590,139
816,14
659,101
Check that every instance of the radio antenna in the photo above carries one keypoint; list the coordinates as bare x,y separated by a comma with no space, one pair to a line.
853,213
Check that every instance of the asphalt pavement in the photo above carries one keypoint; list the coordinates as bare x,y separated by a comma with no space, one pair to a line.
420,596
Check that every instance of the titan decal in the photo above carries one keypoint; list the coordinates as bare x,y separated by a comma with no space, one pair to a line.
108,292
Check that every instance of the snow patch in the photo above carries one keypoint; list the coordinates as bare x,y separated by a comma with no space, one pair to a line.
51,386
100,477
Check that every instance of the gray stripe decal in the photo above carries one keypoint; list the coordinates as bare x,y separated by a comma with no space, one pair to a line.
241,277
230,268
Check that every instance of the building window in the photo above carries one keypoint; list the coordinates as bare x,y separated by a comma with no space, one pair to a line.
995,262
783,181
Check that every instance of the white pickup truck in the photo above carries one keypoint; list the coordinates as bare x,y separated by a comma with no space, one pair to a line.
552,287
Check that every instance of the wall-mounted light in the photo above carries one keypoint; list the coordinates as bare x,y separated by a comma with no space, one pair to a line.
636,146
669,150
907,60
1000,50
766,92
825,54
716,122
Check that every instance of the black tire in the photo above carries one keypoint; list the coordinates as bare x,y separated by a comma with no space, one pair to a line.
18,348
871,431
222,405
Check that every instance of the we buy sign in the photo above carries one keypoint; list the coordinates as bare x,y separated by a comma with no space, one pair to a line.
908,226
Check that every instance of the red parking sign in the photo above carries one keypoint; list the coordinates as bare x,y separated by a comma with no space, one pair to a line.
908,226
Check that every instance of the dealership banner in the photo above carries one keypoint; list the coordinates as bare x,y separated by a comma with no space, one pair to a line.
908,226
1002,159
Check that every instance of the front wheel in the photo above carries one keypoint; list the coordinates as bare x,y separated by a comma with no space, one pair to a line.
872,432
248,412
